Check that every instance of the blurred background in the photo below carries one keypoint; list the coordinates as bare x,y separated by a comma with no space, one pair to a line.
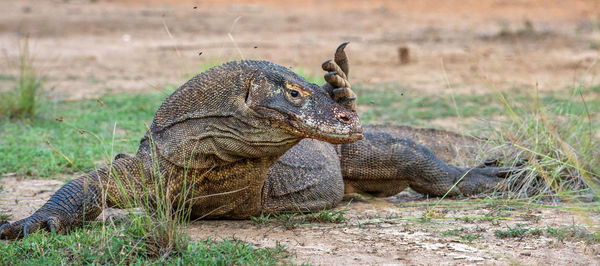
90,48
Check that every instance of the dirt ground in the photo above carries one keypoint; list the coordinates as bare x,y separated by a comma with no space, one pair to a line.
382,231
90,48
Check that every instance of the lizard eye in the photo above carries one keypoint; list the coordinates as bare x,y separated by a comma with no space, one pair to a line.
294,93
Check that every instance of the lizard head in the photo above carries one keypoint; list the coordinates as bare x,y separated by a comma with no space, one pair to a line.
303,109
246,109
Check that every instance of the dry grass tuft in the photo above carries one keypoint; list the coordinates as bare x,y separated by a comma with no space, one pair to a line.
555,148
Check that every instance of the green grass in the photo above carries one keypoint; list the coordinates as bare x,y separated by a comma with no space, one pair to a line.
119,245
464,234
562,233
23,100
391,104
328,216
557,141
5,216
82,131
512,232
295,219
572,233
309,76
594,88
396,104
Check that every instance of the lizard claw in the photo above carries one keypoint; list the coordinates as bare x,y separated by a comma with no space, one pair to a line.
10,231
489,162
337,82
2,229
51,225
348,99
24,227
495,162
483,179
337,79
334,68
341,59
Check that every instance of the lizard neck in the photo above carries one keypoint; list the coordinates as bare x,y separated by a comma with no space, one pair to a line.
215,141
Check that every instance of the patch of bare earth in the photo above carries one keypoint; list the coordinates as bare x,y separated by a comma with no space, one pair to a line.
391,231
383,230
20,197
90,48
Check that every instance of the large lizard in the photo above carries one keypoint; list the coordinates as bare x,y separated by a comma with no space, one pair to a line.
232,137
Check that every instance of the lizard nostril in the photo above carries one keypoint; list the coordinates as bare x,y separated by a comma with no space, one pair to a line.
343,118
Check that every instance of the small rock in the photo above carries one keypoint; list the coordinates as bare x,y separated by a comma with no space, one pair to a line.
403,54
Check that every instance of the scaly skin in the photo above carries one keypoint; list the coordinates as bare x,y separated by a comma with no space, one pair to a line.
220,139
314,175
217,135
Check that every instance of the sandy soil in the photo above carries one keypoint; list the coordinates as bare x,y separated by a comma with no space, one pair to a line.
381,231
90,48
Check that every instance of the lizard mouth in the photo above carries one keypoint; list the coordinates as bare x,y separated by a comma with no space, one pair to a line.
340,135
339,130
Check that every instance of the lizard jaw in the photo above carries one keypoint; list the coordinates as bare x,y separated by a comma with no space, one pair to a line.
341,133
336,131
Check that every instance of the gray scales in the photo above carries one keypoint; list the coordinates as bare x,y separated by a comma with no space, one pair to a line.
253,137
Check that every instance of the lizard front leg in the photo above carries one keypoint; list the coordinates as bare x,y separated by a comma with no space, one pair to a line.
78,201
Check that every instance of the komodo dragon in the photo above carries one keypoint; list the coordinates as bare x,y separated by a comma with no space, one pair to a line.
224,135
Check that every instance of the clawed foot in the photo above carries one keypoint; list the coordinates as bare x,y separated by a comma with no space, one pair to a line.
482,179
495,162
337,79
21,228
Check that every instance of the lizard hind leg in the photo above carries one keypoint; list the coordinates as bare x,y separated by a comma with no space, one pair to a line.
384,163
